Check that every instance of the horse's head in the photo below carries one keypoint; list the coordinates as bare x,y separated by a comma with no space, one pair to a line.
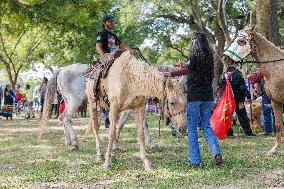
242,46
175,106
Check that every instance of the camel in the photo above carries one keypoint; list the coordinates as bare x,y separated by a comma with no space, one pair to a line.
128,82
71,83
271,61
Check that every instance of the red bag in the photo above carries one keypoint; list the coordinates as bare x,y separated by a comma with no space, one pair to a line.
221,118
62,107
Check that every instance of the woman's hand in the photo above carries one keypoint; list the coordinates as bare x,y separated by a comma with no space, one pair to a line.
179,63
167,74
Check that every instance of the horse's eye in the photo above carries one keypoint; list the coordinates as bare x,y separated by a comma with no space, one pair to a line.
172,103
242,42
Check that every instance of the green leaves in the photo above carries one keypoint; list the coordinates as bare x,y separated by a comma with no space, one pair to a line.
69,27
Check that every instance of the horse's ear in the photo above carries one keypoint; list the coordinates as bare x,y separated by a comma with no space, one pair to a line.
253,28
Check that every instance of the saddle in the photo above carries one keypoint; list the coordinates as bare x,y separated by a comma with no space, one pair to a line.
99,70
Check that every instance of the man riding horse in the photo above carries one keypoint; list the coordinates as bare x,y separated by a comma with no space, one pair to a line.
107,42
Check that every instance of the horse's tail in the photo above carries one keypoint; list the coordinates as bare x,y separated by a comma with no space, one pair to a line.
51,89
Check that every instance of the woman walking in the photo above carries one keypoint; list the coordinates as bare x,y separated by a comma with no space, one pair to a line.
200,71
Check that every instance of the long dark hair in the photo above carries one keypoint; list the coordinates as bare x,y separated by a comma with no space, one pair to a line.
201,52
6,88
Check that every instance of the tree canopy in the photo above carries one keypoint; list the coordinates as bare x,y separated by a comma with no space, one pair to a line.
61,32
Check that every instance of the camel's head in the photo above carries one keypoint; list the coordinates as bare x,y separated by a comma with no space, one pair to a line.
242,46
175,106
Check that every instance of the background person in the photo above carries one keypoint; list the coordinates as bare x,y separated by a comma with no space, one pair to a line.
257,79
36,96
29,101
8,96
55,107
42,92
240,92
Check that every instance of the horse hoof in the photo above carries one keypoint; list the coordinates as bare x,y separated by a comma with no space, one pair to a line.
74,147
99,158
107,165
115,148
154,146
149,166
68,143
271,152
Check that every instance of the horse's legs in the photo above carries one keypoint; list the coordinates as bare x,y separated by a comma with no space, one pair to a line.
91,124
147,133
74,145
71,106
66,134
120,124
113,117
139,119
94,123
278,111
95,128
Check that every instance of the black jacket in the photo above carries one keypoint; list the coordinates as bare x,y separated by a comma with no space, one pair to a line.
199,81
237,83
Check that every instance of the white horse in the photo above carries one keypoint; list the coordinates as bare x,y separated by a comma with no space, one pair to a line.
71,83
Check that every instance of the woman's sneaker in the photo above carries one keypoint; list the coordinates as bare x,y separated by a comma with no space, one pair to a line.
195,165
218,160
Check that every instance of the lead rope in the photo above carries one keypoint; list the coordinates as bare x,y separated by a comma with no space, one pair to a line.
159,131
162,109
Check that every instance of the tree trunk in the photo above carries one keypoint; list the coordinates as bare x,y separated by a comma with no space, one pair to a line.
267,20
218,64
16,77
218,70
9,73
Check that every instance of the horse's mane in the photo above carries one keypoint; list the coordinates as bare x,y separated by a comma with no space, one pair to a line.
127,58
267,44
141,73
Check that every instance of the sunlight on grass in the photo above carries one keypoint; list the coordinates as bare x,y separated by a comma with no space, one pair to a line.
26,161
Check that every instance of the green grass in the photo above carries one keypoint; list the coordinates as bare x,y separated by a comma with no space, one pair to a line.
29,162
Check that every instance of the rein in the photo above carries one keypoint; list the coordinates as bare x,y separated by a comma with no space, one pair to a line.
260,62
141,55
163,105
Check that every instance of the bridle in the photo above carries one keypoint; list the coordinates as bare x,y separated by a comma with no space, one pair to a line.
165,103
252,43
174,114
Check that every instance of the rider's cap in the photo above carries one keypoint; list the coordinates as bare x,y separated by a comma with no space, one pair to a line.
108,18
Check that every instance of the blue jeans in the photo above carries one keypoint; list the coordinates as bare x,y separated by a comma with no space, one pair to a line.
106,116
266,109
200,111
